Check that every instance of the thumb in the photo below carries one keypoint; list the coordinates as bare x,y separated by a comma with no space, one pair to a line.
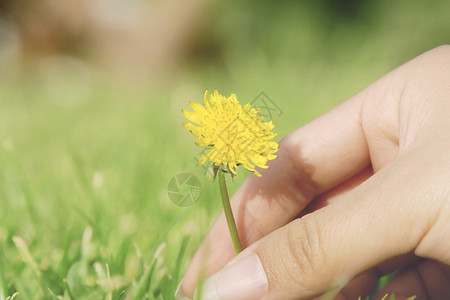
328,247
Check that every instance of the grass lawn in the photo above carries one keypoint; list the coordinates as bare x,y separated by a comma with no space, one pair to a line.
84,165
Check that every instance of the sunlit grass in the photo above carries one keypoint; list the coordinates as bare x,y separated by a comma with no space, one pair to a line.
84,197
84,164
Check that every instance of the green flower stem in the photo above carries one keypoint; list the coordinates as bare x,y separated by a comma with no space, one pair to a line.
228,213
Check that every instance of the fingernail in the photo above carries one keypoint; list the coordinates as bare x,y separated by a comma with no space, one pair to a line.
243,280
179,295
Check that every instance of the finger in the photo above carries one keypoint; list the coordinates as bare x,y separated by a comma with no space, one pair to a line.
311,179
305,167
395,263
313,159
338,192
425,279
334,244
365,283
361,286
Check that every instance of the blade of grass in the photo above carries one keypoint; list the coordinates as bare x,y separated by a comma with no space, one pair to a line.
178,264
27,258
383,280
110,286
180,257
89,193
13,296
67,293
104,279
144,282
53,295
25,188
3,286
82,214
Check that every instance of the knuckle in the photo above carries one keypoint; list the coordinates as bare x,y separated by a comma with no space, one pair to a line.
440,57
444,48
430,244
304,255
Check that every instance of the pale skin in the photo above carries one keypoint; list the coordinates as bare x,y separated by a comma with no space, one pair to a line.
359,192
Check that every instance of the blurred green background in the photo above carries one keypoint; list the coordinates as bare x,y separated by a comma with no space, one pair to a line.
91,94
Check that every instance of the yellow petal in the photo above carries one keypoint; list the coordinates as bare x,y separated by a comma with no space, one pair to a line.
236,134
198,107
187,125
192,116
249,167
258,160
271,156
196,130
202,160
232,167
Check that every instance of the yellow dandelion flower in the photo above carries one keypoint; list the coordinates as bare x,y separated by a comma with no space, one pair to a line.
233,134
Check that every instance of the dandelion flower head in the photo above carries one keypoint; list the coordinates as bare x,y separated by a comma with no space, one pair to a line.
233,134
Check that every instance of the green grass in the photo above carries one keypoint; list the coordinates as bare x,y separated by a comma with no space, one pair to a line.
84,166
84,204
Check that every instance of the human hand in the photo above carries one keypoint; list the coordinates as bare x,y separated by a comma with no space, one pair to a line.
360,192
